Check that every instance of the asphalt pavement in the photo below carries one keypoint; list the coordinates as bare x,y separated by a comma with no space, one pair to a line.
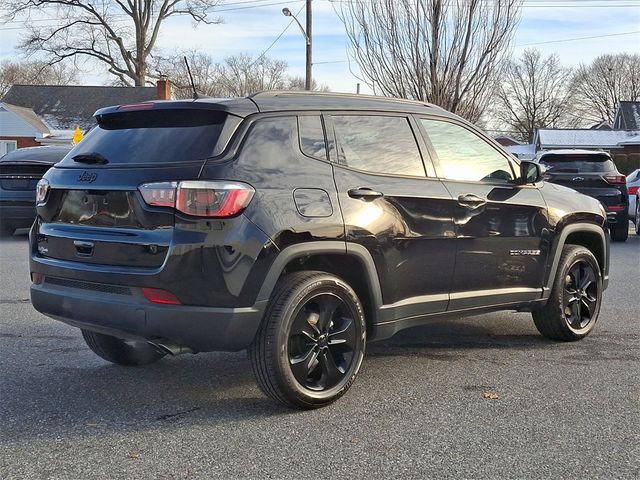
483,397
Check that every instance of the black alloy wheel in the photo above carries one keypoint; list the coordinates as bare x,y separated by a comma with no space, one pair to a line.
580,295
574,301
310,344
322,342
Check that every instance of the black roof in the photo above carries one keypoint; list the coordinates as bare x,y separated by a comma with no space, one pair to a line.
627,116
63,107
278,101
47,154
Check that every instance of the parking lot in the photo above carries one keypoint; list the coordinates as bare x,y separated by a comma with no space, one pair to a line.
417,410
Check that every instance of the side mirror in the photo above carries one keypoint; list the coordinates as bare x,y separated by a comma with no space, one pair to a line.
530,172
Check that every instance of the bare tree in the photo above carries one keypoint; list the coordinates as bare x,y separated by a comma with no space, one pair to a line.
119,33
34,72
447,52
605,82
534,94
236,76
297,83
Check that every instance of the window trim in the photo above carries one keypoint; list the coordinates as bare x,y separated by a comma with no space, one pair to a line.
339,160
515,166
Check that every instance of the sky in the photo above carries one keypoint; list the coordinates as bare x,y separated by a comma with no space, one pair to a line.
251,26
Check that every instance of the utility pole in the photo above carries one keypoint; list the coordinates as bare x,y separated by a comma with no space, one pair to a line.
307,37
308,77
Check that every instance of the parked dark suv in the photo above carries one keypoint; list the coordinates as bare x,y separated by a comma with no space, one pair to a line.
300,226
592,173
20,171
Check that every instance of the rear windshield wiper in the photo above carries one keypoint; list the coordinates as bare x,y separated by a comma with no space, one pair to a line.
94,158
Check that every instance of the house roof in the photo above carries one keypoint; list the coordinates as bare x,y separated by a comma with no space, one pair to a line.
64,107
548,138
627,116
29,116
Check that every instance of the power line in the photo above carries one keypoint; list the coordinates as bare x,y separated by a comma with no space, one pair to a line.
264,52
578,38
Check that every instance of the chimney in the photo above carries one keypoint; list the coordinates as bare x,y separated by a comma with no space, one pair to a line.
163,88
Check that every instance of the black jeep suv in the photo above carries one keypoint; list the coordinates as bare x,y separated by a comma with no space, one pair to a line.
592,173
300,226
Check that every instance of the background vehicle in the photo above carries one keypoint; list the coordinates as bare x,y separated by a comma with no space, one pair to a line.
300,226
20,171
633,185
592,173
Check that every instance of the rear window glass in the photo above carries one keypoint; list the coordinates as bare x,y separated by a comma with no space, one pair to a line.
312,137
160,136
578,163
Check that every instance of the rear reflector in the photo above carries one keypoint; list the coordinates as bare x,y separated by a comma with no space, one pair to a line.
157,295
615,179
216,199
616,208
633,190
37,278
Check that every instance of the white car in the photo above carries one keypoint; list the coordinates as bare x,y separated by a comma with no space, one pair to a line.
633,185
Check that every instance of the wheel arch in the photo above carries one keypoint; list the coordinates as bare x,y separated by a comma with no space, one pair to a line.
351,262
592,237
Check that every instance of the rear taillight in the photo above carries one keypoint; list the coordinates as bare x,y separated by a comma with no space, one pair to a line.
616,208
216,199
42,190
633,190
614,179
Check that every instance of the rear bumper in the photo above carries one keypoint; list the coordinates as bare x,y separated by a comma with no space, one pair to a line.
132,316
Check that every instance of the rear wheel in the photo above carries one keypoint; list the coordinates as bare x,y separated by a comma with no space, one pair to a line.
620,233
574,303
119,351
311,342
637,216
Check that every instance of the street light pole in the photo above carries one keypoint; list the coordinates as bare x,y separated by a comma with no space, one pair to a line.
307,36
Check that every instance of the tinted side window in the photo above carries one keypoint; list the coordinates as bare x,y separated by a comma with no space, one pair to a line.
464,155
312,141
270,142
378,144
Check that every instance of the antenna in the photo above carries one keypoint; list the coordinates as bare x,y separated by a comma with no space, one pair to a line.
193,85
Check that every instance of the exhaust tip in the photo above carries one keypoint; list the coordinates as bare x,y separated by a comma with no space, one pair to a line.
170,348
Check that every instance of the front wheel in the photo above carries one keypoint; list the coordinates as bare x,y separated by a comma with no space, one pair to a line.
311,342
574,304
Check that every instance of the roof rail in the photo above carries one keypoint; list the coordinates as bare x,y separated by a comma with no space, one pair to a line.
301,93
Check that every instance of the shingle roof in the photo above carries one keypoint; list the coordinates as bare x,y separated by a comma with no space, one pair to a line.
29,116
63,107
582,138
627,116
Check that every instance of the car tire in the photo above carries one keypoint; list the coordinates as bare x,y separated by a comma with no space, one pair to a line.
637,222
574,304
311,342
620,233
119,351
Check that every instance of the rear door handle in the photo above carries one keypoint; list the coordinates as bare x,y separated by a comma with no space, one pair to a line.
470,200
364,193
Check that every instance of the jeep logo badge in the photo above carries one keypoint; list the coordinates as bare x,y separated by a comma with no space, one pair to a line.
87,177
